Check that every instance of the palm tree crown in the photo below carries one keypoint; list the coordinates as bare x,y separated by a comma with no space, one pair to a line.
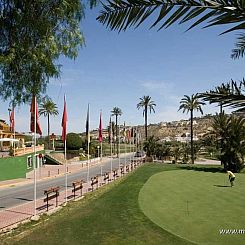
192,103
189,104
147,104
48,108
116,111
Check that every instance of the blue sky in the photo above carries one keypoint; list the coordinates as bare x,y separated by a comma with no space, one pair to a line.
117,69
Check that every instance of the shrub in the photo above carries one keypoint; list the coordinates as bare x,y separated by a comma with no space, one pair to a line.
73,141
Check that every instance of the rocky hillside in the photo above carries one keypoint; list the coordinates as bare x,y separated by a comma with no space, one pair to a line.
179,128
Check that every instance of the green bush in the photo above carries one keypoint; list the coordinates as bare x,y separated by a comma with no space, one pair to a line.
73,141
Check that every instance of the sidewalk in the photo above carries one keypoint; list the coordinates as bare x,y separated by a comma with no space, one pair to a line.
10,217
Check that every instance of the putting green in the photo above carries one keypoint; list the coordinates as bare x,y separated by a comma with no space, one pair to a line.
196,205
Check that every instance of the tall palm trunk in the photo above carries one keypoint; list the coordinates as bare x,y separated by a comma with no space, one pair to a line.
145,122
48,132
221,139
117,137
192,149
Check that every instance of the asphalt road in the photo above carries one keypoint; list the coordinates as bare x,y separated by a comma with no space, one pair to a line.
13,196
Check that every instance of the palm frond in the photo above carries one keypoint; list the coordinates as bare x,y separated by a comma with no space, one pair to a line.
123,14
119,15
231,95
239,50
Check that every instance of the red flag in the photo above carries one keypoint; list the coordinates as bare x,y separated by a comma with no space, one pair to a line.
64,121
100,129
12,120
129,134
34,107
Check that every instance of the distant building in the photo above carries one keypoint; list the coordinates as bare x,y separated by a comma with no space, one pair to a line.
8,137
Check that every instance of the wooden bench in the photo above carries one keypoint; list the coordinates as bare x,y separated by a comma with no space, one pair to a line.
122,170
94,181
77,185
106,177
51,193
115,175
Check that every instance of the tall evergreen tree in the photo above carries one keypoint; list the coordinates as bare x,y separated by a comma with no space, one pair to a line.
33,35
190,104
147,104
48,108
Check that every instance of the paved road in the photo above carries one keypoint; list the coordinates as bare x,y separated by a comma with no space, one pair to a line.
13,196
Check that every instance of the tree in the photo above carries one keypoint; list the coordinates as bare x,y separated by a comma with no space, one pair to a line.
189,104
48,108
122,14
232,130
147,104
150,145
73,141
33,35
116,112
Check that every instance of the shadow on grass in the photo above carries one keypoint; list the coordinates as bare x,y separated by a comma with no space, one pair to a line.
222,185
212,169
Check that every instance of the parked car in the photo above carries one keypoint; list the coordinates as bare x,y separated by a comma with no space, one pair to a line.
140,154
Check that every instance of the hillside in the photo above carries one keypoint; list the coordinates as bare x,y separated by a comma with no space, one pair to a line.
179,128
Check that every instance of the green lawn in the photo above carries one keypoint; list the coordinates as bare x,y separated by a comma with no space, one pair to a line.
109,216
195,205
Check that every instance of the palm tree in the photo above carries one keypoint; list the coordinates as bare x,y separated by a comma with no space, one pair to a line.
146,103
122,14
232,130
116,112
150,145
189,104
48,108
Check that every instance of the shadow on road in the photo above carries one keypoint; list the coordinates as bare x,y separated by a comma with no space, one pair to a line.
23,199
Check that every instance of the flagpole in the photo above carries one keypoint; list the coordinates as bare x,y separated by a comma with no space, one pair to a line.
111,141
130,149
119,151
111,154
65,172
101,137
125,151
125,144
87,129
64,130
13,125
35,159
88,163
101,151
